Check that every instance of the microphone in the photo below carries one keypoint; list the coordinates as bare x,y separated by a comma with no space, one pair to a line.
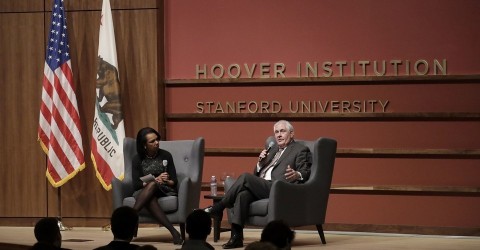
165,163
270,145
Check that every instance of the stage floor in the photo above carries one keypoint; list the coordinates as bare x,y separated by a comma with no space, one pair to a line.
89,238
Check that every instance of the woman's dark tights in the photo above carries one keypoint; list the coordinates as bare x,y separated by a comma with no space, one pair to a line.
147,199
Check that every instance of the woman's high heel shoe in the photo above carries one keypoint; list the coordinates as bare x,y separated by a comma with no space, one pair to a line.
177,239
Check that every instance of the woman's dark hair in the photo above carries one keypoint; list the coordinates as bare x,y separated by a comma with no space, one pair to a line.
142,140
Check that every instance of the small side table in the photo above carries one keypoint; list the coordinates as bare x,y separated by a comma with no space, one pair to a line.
217,221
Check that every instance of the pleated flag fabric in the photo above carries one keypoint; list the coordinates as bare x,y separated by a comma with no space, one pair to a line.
59,131
108,123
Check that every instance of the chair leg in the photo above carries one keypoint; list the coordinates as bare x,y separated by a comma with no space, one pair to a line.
182,230
320,232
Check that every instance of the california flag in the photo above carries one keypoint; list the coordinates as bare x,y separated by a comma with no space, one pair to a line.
108,124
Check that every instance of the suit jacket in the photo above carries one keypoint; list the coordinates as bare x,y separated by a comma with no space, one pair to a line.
296,155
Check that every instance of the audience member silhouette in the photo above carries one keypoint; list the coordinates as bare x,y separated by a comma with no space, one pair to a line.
147,247
198,227
47,234
279,234
259,245
124,222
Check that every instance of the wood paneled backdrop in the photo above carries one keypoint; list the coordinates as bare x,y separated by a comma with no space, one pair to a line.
413,170
26,193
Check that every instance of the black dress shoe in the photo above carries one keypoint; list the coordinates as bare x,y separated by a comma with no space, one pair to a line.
234,242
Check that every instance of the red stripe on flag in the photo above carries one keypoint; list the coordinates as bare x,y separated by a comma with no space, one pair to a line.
67,134
72,115
102,166
66,100
45,112
62,157
47,86
53,172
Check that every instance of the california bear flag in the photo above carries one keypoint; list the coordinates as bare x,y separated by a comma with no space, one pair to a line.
108,124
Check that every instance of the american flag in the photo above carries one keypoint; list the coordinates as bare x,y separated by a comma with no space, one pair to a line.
59,128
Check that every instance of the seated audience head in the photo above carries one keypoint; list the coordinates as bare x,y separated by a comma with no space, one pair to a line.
198,225
279,234
124,223
47,232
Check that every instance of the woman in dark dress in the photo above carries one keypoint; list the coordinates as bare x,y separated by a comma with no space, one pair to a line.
150,159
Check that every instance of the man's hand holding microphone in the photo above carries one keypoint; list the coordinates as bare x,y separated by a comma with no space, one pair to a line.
264,152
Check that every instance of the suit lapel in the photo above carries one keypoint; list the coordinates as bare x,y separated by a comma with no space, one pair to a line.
285,154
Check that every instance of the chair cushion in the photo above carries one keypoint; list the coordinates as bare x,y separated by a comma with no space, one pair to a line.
259,207
168,204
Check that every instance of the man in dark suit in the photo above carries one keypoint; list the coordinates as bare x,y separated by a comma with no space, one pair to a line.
284,161
124,224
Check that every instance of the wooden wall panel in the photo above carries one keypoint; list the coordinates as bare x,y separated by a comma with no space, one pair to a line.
22,162
22,61
74,5
137,45
21,6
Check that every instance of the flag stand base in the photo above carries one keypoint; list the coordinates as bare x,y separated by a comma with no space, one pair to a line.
107,227
61,226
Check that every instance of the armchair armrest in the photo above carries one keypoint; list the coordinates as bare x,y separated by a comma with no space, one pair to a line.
121,190
294,203
185,206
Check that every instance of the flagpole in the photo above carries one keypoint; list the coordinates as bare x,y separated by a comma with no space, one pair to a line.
59,217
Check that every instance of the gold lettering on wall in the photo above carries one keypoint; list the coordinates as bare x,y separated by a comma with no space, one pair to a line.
318,106
340,68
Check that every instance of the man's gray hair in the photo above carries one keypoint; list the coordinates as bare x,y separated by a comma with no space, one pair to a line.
287,124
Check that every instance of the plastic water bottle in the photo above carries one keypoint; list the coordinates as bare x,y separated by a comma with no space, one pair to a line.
213,186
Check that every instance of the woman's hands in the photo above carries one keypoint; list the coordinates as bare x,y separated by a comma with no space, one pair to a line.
163,178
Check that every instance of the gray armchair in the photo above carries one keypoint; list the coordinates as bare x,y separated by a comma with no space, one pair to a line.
298,204
188,158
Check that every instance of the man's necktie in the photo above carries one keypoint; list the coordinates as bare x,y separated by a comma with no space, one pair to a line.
264,171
